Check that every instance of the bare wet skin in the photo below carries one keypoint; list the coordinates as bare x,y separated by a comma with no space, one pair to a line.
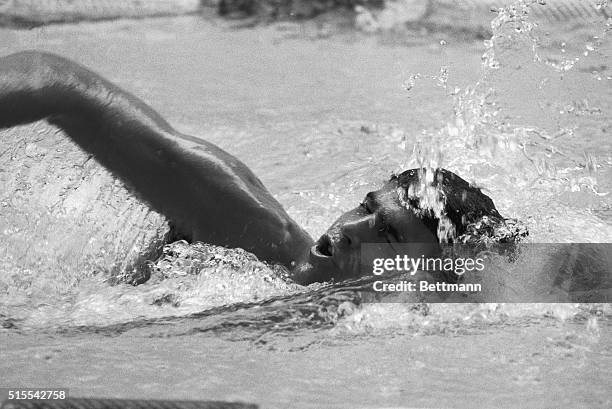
321,122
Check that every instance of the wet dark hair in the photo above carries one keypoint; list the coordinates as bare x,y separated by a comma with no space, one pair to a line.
464,204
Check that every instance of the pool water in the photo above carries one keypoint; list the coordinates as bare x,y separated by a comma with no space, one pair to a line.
322,120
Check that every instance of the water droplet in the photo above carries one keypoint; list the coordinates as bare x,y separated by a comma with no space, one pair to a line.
443,77
411,82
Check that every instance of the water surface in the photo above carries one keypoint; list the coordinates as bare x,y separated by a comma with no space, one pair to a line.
322,121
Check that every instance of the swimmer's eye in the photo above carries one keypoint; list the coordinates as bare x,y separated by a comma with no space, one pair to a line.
364,205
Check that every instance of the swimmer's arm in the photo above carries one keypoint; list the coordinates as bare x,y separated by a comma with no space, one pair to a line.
209,194
36,85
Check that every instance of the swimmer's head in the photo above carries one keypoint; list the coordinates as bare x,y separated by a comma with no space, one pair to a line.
394,214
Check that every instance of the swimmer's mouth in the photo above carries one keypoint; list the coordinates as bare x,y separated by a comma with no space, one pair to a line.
323,248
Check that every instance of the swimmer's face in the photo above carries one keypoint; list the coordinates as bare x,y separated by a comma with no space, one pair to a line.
380,218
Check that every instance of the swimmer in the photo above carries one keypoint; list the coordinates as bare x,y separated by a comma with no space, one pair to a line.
208,194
